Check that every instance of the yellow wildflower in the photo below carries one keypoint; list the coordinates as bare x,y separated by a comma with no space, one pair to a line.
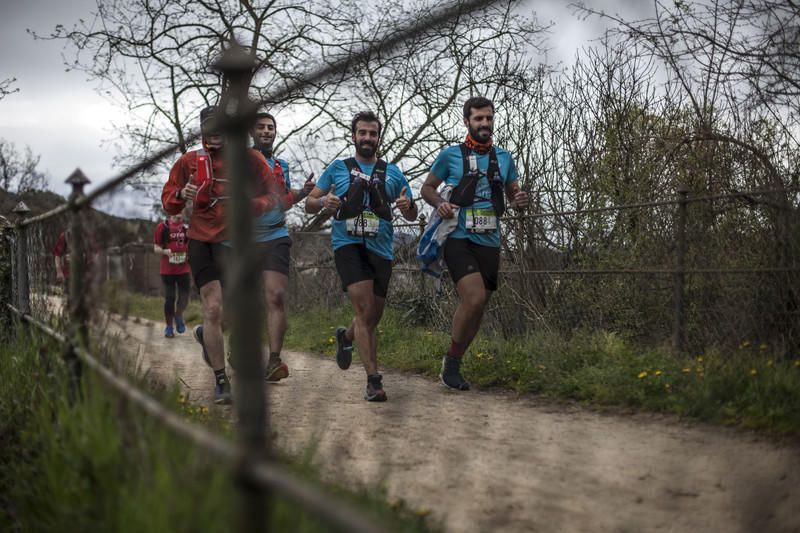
753,372
331,340
770,362
642,374
699,358
797,363
658,372
762,347
745,344
686,370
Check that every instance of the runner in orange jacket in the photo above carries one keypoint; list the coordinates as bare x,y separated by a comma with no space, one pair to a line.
207,231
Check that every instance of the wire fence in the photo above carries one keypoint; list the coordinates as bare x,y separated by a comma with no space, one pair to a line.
693,269
688,257
35,304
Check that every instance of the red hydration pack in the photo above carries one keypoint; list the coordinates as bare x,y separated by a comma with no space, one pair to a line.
203,180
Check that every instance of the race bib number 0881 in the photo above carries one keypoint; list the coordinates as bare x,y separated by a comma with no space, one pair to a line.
481,220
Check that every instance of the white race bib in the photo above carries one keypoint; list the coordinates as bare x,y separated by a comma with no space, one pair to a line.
366,225
481,220
177,258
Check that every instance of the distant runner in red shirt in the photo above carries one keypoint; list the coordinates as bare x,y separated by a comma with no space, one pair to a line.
61,259
171,243
61,256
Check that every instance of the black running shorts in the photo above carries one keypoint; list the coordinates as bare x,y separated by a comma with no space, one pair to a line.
354,263
206,259
463,257
275,255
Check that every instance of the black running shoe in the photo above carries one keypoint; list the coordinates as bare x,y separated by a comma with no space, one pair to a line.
375,392
197,332
451,373
344,349
222,393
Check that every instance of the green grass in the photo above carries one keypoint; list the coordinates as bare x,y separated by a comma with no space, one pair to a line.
119,300
99,464
743,387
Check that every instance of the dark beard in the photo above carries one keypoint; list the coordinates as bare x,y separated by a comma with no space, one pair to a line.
366,151
478,136
265,149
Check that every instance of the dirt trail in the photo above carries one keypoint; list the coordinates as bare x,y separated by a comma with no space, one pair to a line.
489,461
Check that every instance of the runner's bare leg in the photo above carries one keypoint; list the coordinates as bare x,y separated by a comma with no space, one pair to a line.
211,298
275,285
472,299
365,322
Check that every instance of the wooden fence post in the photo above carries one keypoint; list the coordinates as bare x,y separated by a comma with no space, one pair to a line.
244,301
22,276
78,274
678,325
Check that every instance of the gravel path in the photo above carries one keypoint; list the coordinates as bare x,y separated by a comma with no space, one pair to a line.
494,461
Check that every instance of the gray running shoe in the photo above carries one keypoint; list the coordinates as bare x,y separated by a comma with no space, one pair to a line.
197,332
222,393
344,349
451,373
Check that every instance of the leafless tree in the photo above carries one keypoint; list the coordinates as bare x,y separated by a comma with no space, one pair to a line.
154,57
7,87
417,90
18,170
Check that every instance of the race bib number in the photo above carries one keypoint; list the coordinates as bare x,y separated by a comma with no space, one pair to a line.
481,220
177,258
366,225
357,174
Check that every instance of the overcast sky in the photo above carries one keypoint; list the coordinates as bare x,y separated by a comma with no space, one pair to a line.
61,117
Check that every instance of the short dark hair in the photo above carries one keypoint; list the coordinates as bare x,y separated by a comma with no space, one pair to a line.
365,116
207,115
476,102
264,114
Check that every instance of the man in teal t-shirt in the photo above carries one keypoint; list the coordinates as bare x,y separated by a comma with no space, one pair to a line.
359,191
480,174
272,239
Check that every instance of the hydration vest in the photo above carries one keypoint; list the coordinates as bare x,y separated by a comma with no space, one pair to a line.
203,180
353,201
277,171
464,193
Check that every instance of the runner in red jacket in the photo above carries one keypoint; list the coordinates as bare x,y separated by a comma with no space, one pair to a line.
171,243
207,231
